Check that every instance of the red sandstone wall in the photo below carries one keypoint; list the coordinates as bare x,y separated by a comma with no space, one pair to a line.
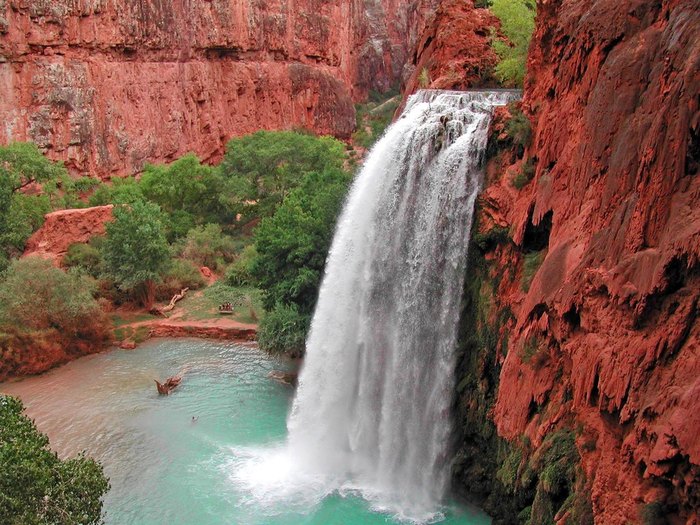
613,92
108,85
454,48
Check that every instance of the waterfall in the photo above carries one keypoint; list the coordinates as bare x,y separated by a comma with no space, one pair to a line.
372,410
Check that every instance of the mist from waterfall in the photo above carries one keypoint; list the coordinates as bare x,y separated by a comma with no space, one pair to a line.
372,411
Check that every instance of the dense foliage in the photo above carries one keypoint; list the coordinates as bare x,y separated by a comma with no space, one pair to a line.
189,192
293,244
38,488
517,24
283,331
22,168
179,217
36,296
262,168
135,250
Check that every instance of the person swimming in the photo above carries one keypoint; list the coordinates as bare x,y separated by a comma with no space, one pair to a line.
194,419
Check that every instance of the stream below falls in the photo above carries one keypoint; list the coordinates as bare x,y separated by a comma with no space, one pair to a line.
166,469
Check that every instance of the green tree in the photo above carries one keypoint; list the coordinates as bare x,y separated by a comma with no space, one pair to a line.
517,24
135,251
262,168
123,190
187,187
22,165
208,246
292,245
36,487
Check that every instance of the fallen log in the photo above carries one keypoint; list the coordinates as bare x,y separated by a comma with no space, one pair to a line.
164,389
177,297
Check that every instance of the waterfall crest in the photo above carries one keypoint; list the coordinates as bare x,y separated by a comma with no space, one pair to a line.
372,410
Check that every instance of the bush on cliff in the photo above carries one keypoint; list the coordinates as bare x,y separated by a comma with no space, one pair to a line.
135,251
517,24
37,487
262,168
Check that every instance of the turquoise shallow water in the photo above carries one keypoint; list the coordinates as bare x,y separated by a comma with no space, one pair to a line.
163,467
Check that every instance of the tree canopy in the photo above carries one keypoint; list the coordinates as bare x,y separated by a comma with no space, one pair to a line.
21,165
291,249
188,187
135,250
36,487
262,168
35,295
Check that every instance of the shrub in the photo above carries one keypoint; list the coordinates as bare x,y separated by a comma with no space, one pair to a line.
424,79
531,265
85,257
239,273
508,473
38,487
517,24
527,172
181,274
208,246
653,514
487,241
37,296
519,128
283,331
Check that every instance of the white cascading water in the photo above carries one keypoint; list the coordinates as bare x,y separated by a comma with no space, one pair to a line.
372,410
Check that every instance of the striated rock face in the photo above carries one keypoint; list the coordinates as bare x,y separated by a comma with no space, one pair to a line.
65,227
108,85
454,50
604,340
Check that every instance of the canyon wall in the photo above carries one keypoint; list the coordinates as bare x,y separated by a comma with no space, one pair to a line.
107,85
579,373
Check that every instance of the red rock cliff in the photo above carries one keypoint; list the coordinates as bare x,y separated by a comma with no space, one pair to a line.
107,85
606,339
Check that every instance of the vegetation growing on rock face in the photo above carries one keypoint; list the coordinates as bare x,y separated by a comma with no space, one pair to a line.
374,117
36,487
517,24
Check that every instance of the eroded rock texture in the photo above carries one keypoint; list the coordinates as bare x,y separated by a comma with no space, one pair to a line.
107,85
605,341
454,50
65,227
